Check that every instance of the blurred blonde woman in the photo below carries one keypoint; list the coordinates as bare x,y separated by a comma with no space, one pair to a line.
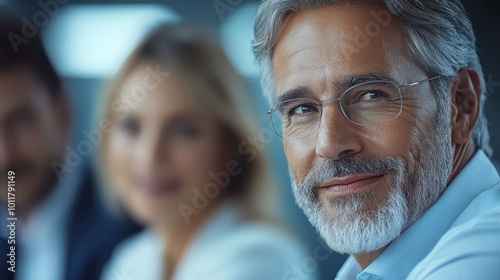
179,160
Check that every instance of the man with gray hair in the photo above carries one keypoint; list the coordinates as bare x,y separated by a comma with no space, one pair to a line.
380,106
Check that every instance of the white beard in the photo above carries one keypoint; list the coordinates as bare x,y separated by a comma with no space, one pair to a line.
349,230
347,224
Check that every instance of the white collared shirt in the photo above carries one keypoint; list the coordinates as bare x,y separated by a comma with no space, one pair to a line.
458,238
226,248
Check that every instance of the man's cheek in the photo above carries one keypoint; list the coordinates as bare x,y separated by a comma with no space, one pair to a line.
32,152
300,158
392,139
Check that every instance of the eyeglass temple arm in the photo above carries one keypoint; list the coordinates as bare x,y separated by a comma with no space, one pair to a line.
416,83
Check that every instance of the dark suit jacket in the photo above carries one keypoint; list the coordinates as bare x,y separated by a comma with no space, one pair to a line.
93,234
5,274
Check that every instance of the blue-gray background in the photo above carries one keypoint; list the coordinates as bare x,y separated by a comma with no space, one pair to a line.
231,21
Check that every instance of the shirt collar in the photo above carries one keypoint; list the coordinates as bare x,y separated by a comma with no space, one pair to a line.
223,222
419,239
52,212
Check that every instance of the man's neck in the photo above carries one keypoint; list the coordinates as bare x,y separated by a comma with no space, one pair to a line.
25,213
365,259
462,155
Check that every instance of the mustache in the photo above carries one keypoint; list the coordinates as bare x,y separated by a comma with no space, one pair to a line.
19,168
329,169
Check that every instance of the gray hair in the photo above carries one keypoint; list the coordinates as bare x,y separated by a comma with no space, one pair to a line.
439,36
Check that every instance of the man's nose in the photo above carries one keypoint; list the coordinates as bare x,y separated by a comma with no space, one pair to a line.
337,136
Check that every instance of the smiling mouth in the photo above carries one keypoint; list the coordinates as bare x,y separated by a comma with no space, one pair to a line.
155,187
350,184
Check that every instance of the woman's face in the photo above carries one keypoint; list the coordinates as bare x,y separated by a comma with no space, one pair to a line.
164,145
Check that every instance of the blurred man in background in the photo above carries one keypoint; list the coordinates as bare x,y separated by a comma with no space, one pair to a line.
62,230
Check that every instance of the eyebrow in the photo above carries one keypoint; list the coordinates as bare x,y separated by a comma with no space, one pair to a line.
350,81
341,85
299,92
24,110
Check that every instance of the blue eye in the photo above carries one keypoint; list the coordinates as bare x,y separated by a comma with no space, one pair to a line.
370,95
130,127
303,109
183,130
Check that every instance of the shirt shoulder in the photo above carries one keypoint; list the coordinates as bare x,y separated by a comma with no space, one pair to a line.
253,250
136,257
470,250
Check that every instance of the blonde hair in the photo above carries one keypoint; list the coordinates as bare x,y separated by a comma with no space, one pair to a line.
199,59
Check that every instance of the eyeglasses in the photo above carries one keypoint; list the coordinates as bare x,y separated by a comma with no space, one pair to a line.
368,103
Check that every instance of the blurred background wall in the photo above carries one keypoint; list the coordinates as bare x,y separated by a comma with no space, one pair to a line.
89,39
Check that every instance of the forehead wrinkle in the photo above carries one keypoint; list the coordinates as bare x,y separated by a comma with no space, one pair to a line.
325,84
297,55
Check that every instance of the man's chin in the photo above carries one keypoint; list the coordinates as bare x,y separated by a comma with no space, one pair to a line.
352,239
356,230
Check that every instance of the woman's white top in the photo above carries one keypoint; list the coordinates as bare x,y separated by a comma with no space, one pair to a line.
226,248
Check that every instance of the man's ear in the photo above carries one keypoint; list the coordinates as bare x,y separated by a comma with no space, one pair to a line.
465,105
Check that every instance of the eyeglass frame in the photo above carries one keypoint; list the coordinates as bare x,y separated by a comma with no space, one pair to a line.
319,103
